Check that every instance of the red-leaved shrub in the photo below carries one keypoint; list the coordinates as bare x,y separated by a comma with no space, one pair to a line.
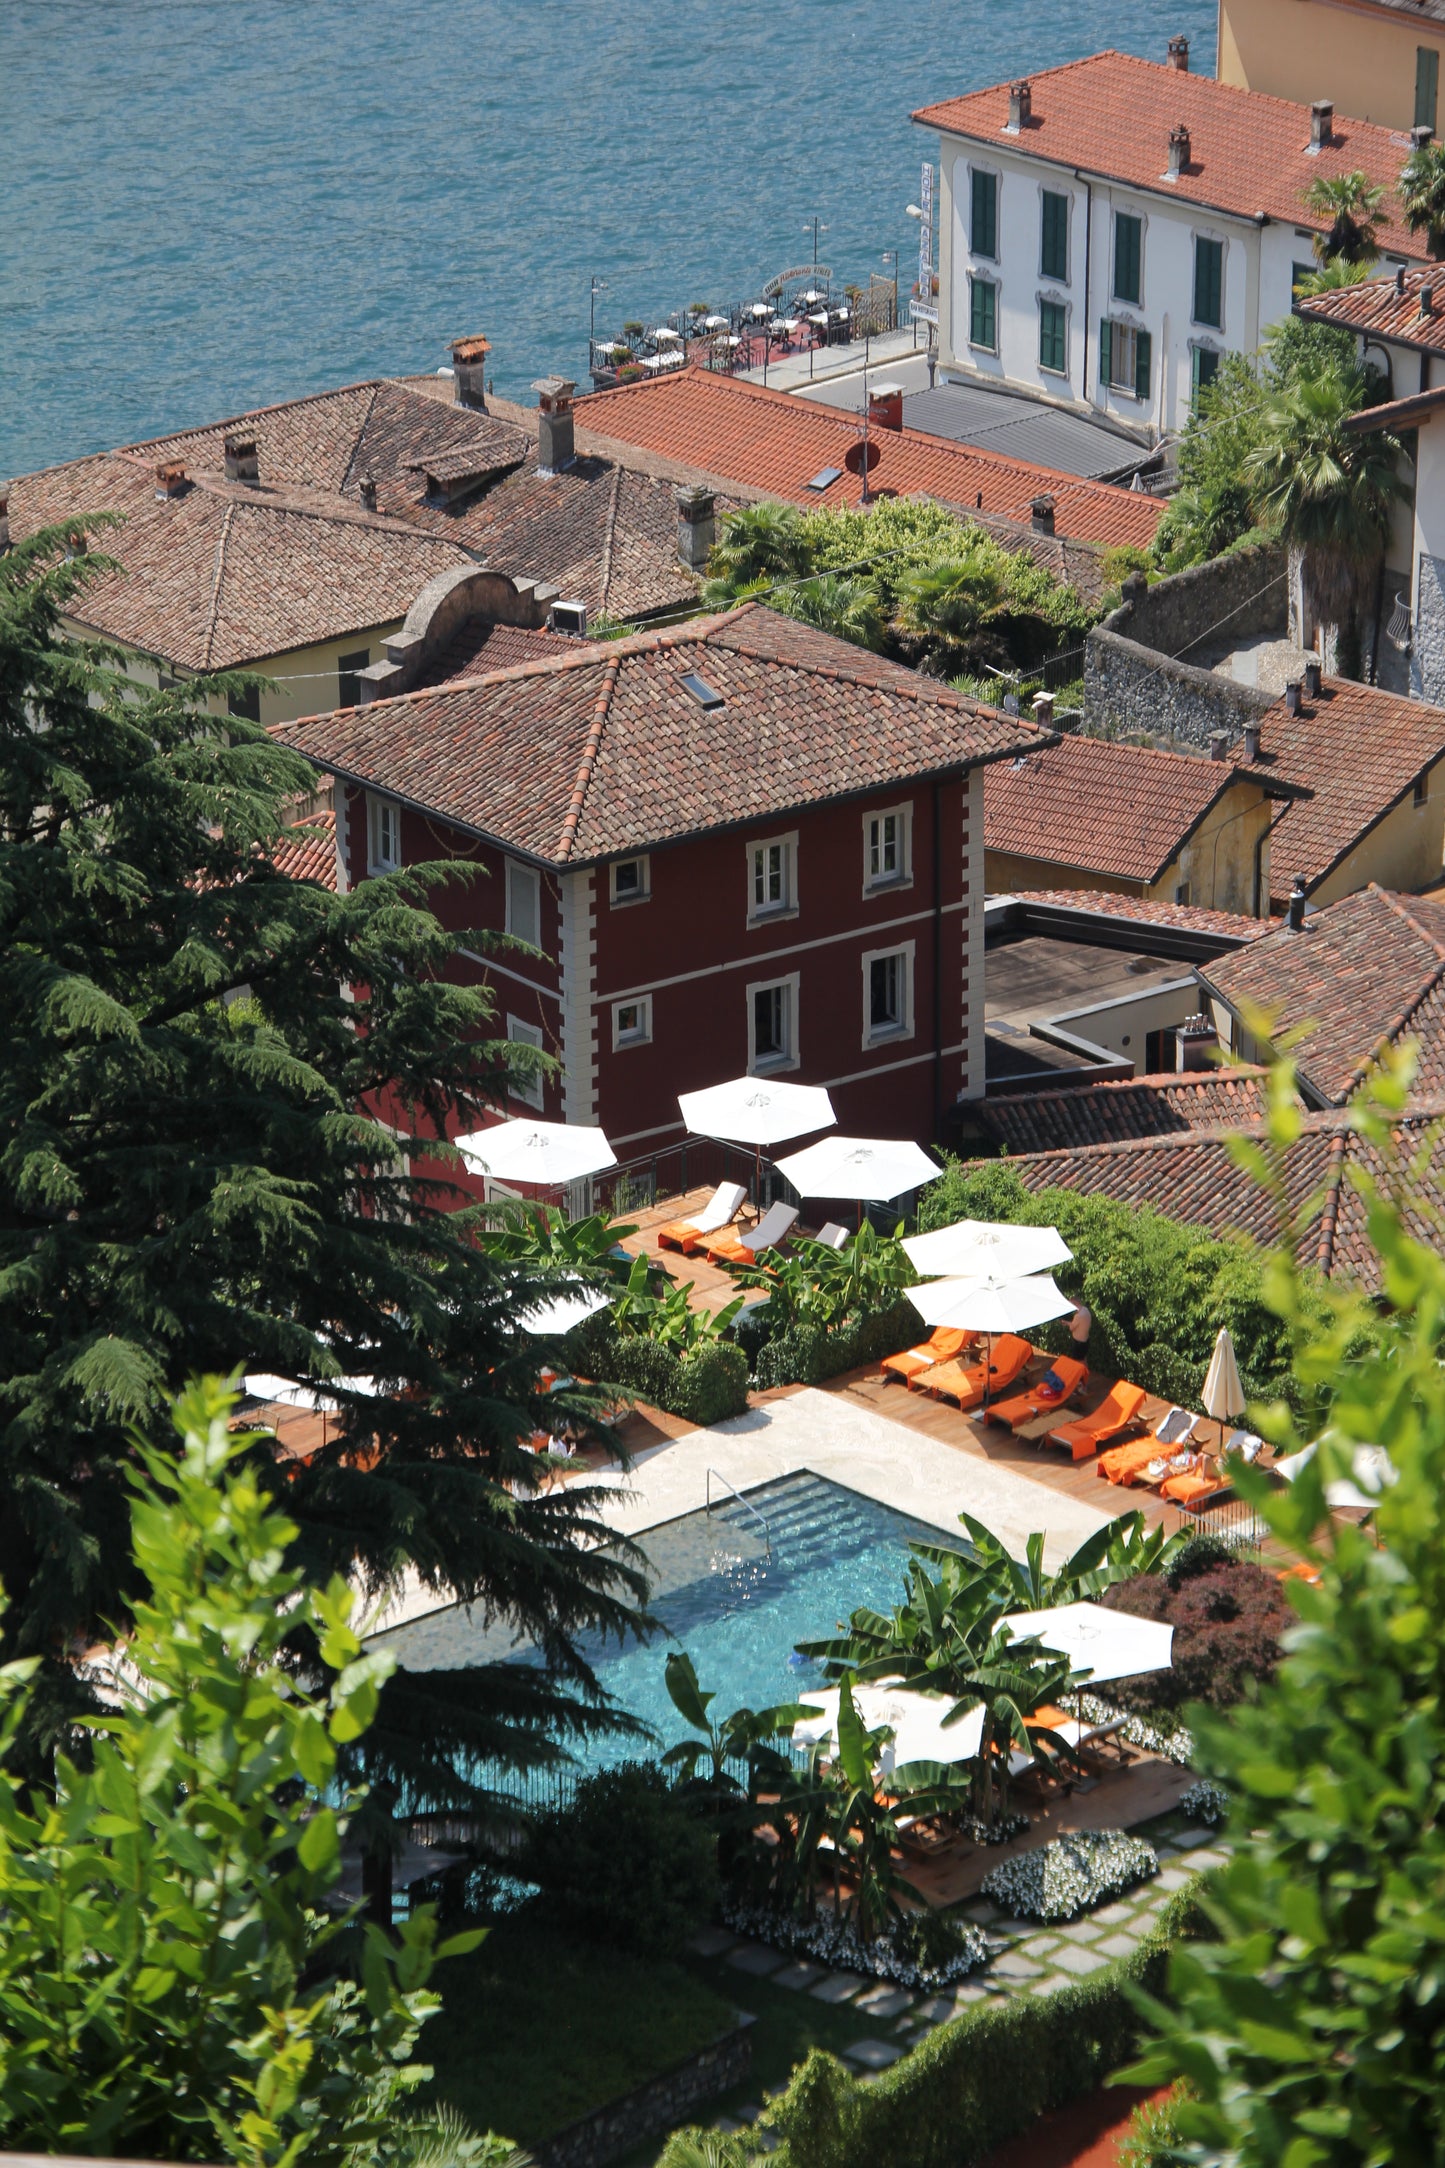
1227,1624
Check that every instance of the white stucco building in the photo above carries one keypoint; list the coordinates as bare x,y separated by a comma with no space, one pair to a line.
1112,228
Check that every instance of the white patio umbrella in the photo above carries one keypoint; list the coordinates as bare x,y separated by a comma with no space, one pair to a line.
1107,1644
750,1110
563,1311
872,1169
970,1248
916,1721
292,1393
546,1153
1224,1396
985,1304
1371,1468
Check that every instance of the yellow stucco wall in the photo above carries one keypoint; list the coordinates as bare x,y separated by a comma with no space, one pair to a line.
1361,57
306,680
1216,864
1404,851
1005,875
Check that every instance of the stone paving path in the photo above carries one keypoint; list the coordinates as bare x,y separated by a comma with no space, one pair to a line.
1028,1959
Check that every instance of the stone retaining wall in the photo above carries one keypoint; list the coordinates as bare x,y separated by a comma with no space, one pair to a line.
651,2109
1137,678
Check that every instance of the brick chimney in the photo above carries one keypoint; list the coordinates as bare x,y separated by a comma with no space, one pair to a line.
242,461
1020,106
1292,697
696,527
554,423
1313,677
1041,515
170,478
1044,710
1219,745
1179,54
1251,742
885,406
367,487
469,366
1420,136
1194,1040
1179,149
1322,124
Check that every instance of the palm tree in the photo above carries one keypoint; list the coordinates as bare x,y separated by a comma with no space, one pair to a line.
1351,202
1328,493
1422,195
759,542
946,610
1333,275
848,608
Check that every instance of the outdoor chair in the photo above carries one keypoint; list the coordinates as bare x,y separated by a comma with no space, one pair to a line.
721,1210
1193,1486
1130,1463
1065,1376
736,1249
832,1236
966,1384
940,1347
1119,1411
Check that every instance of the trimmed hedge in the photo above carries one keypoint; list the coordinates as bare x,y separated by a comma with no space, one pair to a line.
980,2079
707,1385
806,1354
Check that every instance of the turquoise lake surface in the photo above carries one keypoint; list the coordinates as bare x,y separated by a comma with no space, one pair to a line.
210,206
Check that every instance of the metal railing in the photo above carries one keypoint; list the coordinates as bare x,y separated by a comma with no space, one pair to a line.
746,1504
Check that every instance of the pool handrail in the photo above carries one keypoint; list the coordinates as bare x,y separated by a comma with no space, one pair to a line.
745,1503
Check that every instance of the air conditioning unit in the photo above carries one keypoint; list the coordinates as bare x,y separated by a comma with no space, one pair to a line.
568,617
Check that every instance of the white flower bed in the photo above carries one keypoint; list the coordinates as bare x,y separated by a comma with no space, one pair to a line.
1205,1802
1152,1736
1073,1874
832,1942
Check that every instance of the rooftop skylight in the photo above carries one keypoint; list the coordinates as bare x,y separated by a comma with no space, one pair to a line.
701,691
824,478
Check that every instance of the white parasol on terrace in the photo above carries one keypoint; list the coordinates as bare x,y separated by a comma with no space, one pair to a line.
546,1153
562,1312
1106,1644
916,1721
752,1110
1224,1396
280,1392
872,1169
972,1249
988,1305
1371,1473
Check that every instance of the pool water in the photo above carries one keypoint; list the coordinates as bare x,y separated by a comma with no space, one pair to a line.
736,1600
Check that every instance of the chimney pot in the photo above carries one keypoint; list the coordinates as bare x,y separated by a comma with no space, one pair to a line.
1192,1042
1292,696
1041,515
1427,300
1399,278
1420,136
696,527
1295,909
469,367
554,423
1020,106
368,491
1219,744
1044,710
885,406
1313,675
170,478
242,462
1251,742
1179,151
1322,122
1179,54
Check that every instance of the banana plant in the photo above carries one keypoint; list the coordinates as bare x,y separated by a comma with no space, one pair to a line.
666,1315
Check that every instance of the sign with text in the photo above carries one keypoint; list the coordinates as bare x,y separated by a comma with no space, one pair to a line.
925,231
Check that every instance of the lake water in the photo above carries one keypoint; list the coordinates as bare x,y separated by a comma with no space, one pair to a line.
212,204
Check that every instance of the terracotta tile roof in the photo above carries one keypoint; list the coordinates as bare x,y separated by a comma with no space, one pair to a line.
770,441
309,853
478,649
1145,911
1357,750
1111,116
1123,811
605,750
1147,1106
1384,309
1193,1179
1363,972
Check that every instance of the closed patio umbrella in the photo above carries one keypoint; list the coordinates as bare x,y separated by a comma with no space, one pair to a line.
970,1248
1107,1644
751,1110
1224,1396
546,1153
872,1169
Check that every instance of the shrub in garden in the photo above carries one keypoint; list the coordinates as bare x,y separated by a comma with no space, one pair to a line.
1227,1623
1071,1875
1205,1802
625,1862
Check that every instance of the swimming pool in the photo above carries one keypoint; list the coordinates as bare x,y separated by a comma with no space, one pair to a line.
735,1600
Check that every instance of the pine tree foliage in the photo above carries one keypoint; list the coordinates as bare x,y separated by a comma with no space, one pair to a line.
213,1084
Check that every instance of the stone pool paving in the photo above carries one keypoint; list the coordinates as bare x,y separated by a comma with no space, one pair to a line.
1028,1958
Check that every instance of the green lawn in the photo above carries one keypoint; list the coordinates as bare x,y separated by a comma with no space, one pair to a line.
538,2028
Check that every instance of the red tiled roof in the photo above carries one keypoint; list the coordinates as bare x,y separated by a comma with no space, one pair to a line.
1122,811
476,650
605,749
1362,973
1147,911
1384,309
770,441
1147,1106
1111,116
1357,750
309,851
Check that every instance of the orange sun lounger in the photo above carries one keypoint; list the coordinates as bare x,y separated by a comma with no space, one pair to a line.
720,1211
1025,1406
1197,1484
941,1346
966,1384
1115,1413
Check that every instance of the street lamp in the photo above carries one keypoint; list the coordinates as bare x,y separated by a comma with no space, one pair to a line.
599,286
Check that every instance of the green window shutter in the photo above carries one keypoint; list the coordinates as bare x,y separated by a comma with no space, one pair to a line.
1054,244
1142,370
983,316
1053,337
1106,351
1206,368
1209,283
1128,256
1427,86
983,226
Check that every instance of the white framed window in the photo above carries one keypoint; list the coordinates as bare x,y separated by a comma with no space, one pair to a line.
632,1021
526,1088
887,994
772,877
773,1025
887,848
524,903
383,830
630,879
